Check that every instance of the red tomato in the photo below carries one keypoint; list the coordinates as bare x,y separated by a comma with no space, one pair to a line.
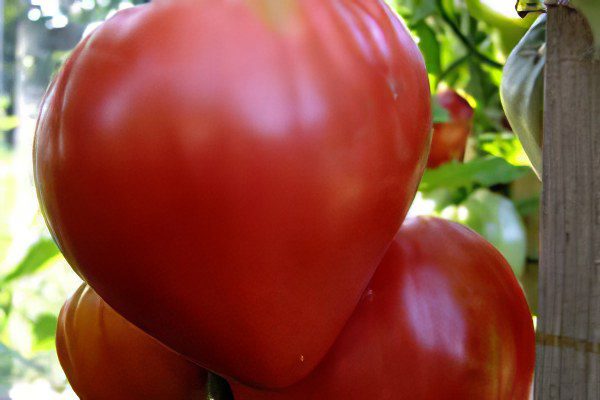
443,319
107,358
450,138
228,174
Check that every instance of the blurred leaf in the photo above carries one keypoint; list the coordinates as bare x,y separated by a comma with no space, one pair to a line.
4,102
480,84
8,190
9,123
6,304
44,330
449,6
528,207
6,298
16,356
423,9
429,46
476,84
487,171
6,369
506,146
37,256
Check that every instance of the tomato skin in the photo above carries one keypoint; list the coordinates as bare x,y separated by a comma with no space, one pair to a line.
107,358
449,140
237,165
443,318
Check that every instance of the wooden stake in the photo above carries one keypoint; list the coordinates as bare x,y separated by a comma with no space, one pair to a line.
568,360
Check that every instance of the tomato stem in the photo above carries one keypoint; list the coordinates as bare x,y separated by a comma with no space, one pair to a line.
217,388
465,40
450,69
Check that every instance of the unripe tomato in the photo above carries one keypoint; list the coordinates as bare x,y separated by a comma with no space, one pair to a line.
522,91
443,318
449,140
228,174
497,219
107,358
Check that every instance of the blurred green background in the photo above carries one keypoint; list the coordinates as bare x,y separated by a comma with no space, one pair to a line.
464,42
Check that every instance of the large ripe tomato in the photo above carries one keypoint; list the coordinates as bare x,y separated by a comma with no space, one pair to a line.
107,358
443,318
449,140
228,174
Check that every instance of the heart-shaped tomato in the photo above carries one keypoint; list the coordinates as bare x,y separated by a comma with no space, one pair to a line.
444,318
228,174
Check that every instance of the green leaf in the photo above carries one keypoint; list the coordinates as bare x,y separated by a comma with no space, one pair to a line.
8,198
429,46
5,308
16,356
529,206
37,256
8,123
6,301
44,330
506,146
487,171
449,6
590,9
423,9
481,85
6,370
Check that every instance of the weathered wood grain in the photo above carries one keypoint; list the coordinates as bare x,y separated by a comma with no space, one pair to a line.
568,360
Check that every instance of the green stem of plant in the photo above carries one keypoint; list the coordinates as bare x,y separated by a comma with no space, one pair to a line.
465,40
457,63
217,388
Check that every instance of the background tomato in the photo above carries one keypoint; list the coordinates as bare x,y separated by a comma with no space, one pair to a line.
107,358
450,137
496,218
522,91
227,175
443,318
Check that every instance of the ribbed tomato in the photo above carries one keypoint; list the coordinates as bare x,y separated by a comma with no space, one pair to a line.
107,358
228,174
444,318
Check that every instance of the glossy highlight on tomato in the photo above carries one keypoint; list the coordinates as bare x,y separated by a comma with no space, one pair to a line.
228,174
444,318
107,358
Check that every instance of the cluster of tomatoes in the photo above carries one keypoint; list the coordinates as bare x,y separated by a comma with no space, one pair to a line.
231,177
